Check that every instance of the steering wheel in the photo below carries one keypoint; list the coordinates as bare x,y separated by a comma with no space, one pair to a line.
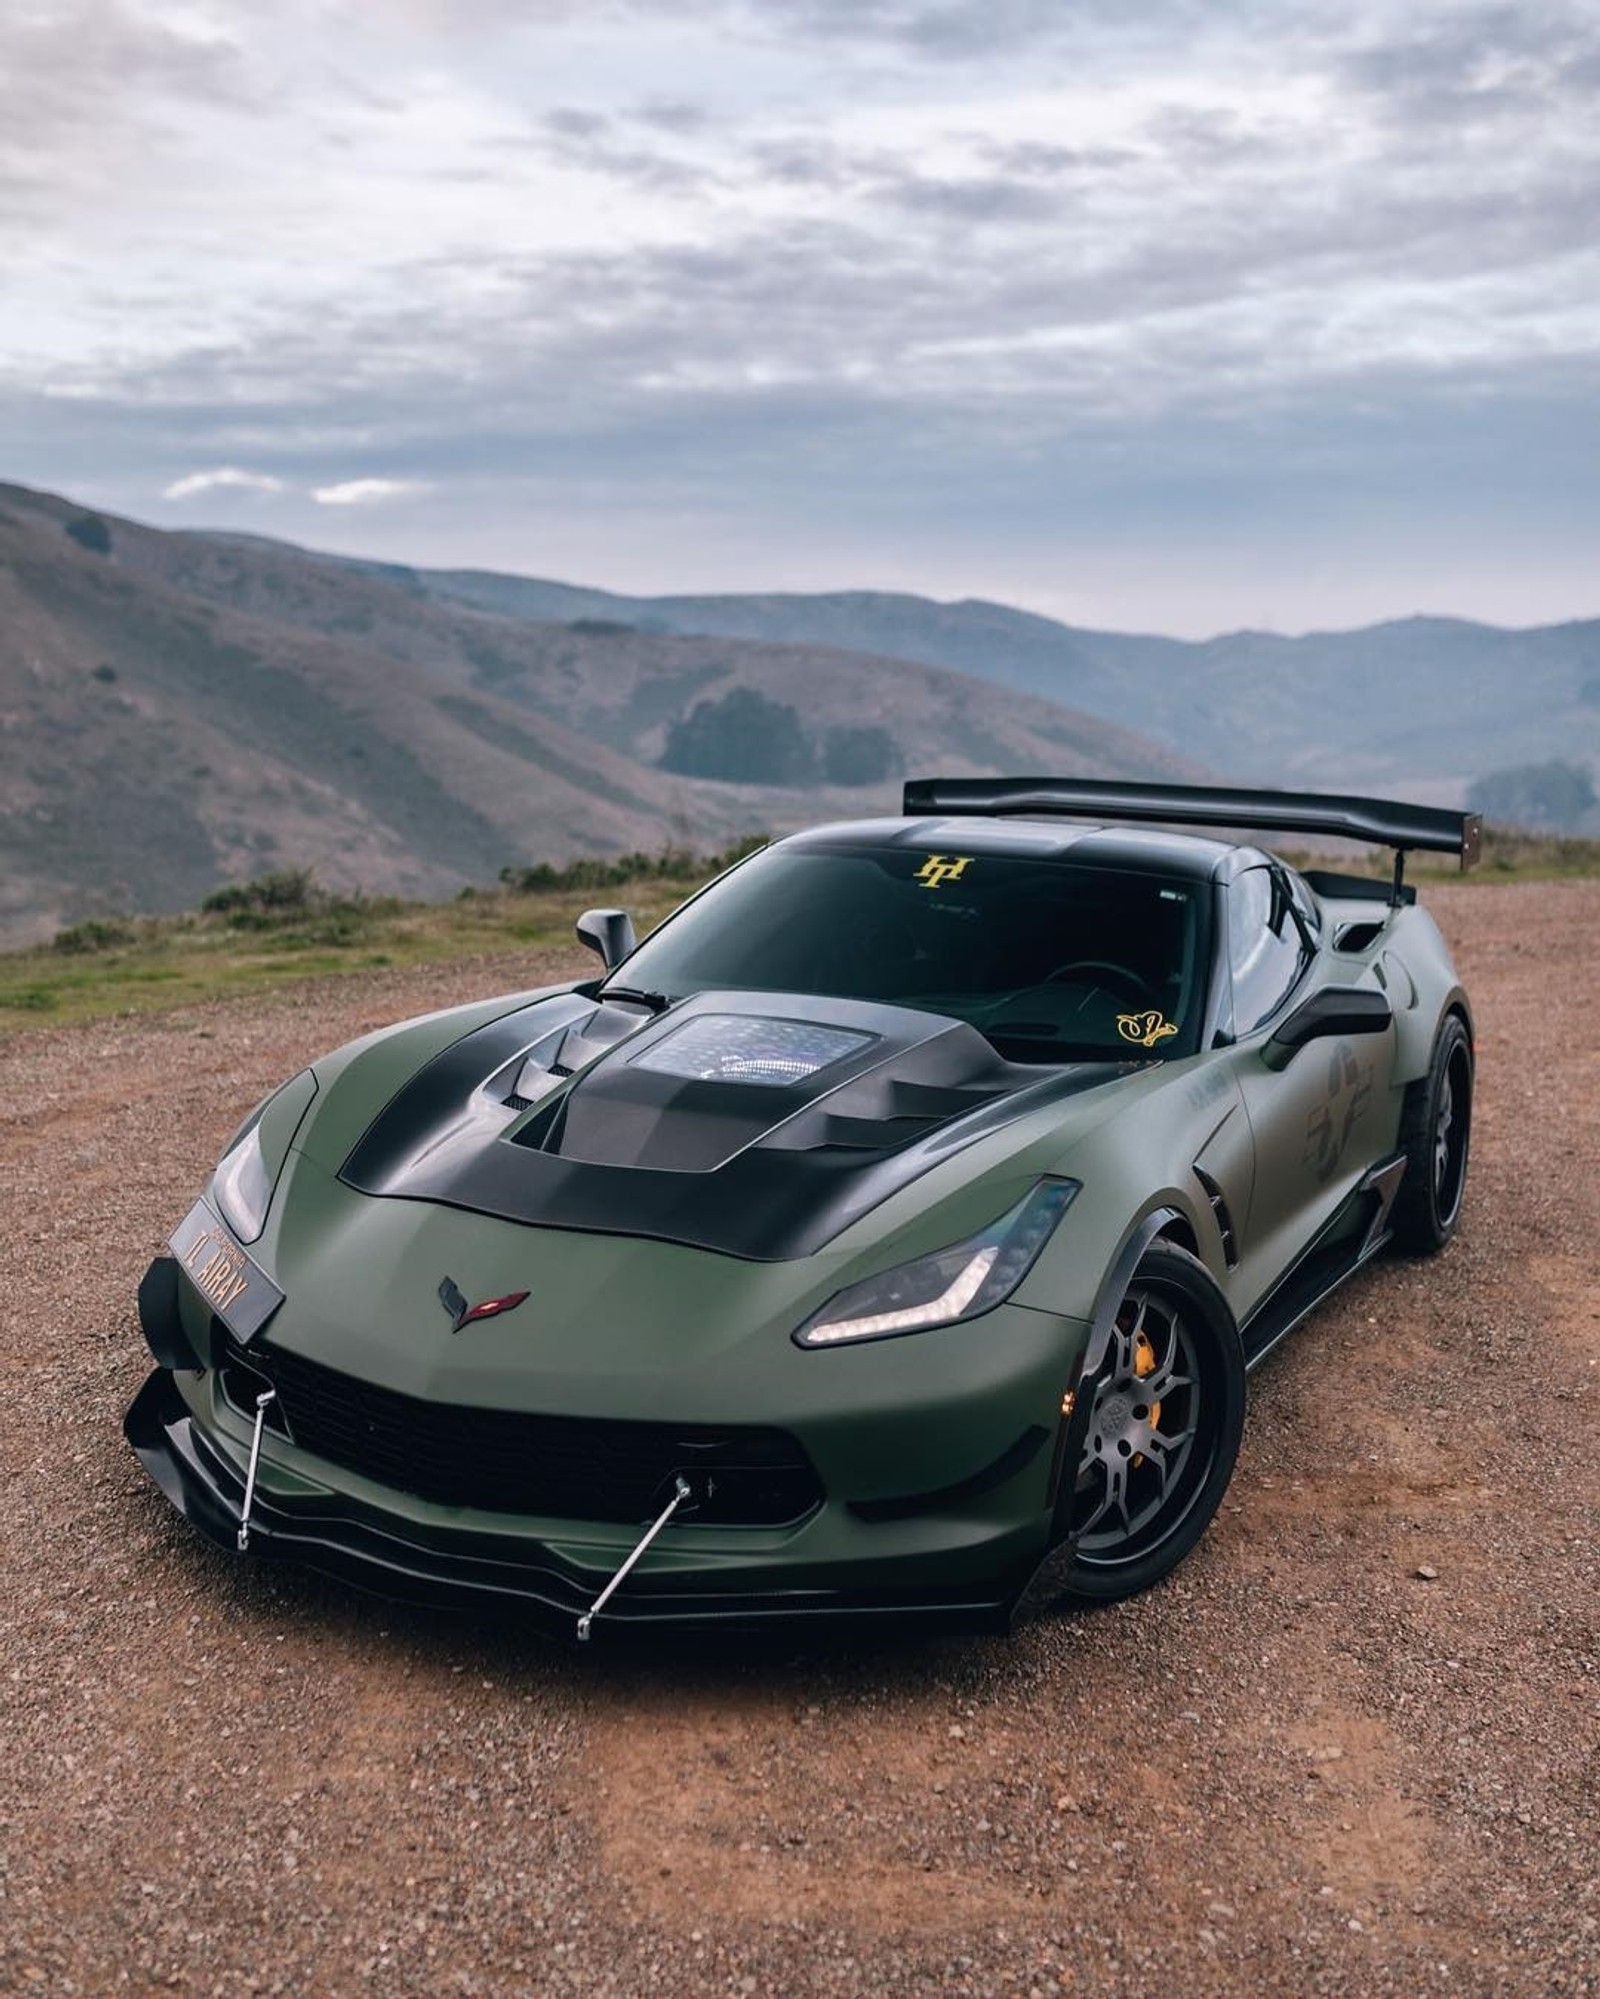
1119,980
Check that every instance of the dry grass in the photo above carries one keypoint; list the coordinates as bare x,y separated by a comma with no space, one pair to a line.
283,928
258,940
1508,853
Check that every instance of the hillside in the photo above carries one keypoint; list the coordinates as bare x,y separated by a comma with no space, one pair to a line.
180,710
1421,702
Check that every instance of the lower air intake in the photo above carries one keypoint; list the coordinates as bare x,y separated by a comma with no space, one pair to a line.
558,1467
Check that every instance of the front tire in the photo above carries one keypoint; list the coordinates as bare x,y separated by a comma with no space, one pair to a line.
1165,1418
1435,1132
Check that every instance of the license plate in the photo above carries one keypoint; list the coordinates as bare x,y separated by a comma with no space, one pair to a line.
236,1288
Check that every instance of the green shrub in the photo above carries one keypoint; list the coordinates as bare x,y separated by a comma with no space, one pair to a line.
671,864
284,892
339,925
95,933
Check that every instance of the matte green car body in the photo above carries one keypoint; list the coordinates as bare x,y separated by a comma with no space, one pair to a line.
945,1455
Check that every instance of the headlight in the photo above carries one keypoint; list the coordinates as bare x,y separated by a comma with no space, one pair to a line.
953,1284
248,1171
243,1186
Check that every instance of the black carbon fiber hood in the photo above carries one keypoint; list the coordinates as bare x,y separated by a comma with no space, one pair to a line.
755,1124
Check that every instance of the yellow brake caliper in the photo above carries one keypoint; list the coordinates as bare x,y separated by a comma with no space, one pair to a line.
1144,1362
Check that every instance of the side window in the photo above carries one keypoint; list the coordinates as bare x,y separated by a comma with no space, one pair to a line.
1266,953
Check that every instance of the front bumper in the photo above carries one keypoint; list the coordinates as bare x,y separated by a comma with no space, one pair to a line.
354,1542
952,1551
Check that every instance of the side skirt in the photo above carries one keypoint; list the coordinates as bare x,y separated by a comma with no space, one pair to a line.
1350,1238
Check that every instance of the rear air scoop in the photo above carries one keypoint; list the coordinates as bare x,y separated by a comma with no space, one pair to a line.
757,1124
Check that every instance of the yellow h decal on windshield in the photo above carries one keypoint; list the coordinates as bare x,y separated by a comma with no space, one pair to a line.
936,870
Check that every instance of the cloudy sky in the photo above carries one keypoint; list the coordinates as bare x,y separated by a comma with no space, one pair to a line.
1179,315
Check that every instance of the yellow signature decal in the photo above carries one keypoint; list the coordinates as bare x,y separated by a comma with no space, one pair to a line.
936,870
1145,1028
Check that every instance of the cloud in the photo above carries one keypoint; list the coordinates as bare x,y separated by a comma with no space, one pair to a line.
86,91
223,478
592,142
366,492
677,115
785,264
1472,67
949,30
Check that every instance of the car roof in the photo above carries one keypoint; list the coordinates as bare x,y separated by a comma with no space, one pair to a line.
1146,850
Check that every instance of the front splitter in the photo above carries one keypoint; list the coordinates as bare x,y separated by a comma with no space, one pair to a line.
461,1569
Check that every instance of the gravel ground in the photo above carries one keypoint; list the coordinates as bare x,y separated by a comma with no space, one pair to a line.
1353,1747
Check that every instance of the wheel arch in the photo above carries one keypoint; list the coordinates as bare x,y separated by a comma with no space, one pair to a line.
1181,1231
1150,1227
1423,1220
1417,1030
1161,1224
1141,1232
1169,1218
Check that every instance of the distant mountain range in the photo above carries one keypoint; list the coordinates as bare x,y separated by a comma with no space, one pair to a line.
178,710
1426,704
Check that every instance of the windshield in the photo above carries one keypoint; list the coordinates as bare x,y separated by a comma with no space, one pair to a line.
1053,962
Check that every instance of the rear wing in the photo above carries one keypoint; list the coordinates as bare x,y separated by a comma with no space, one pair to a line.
1383,821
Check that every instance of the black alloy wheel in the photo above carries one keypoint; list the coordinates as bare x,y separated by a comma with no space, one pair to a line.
1165,1417
1435,1134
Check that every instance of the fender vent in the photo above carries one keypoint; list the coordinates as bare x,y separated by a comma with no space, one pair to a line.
1219,1207
1358,936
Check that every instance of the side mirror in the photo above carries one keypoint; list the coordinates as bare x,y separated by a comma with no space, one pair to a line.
608,933
1332,1011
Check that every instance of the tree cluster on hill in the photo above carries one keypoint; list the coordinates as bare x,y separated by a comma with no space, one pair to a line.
745,737
91,532
1554,797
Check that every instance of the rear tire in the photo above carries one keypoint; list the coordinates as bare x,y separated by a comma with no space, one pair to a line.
1435,1133
1165,1418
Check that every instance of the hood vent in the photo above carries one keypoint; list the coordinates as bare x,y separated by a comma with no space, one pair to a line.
736,1071
797,1115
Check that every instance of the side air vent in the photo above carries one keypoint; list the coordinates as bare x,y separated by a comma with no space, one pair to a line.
1358,936
1219,1207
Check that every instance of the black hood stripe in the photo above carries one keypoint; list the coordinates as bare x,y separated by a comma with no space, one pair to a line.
767,1173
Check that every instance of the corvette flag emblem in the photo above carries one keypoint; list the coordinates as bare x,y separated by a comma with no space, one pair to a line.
453,1299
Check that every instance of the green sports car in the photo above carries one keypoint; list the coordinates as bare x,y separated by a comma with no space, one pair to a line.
887,1236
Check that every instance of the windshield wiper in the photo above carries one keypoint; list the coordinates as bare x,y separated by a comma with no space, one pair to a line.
656,1002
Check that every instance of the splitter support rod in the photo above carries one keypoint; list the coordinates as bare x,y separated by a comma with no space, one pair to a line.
681,1493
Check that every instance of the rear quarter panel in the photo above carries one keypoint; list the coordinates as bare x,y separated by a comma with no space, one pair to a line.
1411,962
1423,987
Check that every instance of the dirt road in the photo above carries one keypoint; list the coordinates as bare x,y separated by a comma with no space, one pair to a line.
1354,1747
